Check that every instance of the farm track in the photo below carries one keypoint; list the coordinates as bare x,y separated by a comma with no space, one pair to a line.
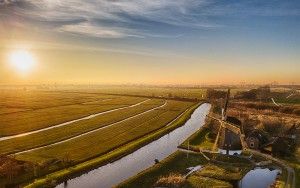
91,131
69,122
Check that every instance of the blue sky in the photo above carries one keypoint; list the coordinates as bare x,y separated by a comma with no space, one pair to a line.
230,33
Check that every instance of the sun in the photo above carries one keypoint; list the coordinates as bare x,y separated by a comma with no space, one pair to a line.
22,61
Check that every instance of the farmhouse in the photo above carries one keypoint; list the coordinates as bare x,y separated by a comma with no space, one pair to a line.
256,139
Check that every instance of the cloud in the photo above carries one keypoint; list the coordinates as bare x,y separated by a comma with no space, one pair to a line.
107,18
131,18
86,28
6,2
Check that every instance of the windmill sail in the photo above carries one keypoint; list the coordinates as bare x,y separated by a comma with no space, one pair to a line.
224,110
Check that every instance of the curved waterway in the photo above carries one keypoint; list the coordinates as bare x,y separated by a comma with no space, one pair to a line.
120,170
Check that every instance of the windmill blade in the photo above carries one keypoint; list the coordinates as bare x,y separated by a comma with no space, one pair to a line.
234,128
224,112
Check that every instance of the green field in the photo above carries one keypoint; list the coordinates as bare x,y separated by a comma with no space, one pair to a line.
33,119
74,129
34,99
104,140
48,146
190,92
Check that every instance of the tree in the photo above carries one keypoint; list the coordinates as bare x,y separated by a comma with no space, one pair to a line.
216,94
10,168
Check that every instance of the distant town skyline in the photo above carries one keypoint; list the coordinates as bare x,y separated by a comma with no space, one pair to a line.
177,42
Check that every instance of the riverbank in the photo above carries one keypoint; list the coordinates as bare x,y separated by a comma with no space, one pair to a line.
216,169
202,139
222,174
62,175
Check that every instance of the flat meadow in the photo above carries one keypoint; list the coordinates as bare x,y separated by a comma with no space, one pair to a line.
51,130
53,109
104,140
55,133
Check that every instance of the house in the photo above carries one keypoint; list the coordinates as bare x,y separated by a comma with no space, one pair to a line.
256,139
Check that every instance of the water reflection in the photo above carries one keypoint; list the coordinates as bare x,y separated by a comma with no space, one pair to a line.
259,178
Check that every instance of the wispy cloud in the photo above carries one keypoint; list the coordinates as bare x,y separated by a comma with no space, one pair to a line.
85,28
6,2
108,18
127,18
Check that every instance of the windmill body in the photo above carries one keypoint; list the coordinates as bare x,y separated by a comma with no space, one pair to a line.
229,135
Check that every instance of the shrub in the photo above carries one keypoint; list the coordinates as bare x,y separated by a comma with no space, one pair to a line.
287,110
272,126
172,180
296,111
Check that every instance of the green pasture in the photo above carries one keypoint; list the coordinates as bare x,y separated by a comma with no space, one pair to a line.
21,122
74,129
104,140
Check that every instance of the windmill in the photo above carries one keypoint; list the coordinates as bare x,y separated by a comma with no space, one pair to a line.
227,127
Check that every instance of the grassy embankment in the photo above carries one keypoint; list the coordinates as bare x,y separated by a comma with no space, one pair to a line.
294,163
74,129
116,152
202,139
172,164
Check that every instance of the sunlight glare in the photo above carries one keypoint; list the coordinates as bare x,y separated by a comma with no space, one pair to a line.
21,60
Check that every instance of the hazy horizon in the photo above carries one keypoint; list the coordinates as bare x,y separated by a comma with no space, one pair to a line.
179,42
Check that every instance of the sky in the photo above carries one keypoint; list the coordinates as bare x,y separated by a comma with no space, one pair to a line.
151,42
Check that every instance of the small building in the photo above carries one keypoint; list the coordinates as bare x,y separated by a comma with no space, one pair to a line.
256,139
252,142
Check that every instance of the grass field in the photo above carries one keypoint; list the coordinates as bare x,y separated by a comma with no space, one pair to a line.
102,141
33,99
29,120
50,138
190,93
61,175
74,129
